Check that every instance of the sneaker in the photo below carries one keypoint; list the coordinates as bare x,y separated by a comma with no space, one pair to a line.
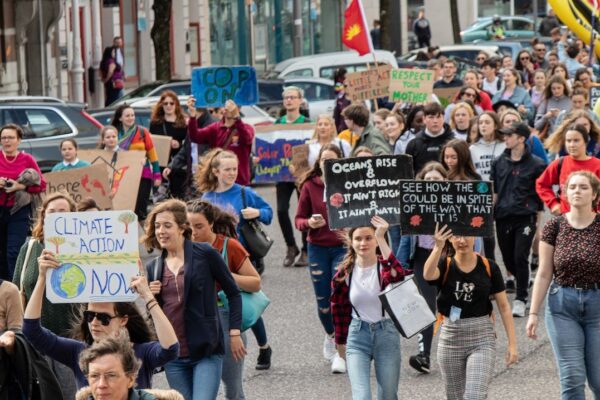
510,285
290,257
420,362
302,260
518,309
329,350
338,365
264,359
535,260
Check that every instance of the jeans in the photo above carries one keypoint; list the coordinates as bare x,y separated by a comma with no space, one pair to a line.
195,380
379,342
322,262
233,371
395,236
260,332
573,325
404,249
13,232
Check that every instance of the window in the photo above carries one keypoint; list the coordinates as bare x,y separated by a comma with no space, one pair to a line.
328,72
41,123
316,91
521,25
306,72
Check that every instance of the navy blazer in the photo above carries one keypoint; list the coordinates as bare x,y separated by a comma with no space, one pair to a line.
203,268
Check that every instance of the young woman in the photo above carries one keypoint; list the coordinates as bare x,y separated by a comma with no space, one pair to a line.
216,227
489,144
555,100
473,130
68,150
460,116
471,79
570,268
184,279
556,142
561,70
325,247
526,66
467,343
514,92
135,137
579,102
325,133
112,76
109,138
466,95
456,159
379,118
360,323
397,133
537,90
510,116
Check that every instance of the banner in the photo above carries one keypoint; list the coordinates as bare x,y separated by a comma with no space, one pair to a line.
465,206
594,96
162,145
356,189
446,95
84,182
273,145
213,86
369,84
411,85
98,253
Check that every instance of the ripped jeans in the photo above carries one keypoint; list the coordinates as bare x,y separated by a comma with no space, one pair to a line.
323,262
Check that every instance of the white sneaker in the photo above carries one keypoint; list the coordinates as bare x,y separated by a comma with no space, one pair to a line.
518,309
338,365
329,350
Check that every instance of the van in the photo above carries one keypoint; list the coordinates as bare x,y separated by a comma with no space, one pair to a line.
324,65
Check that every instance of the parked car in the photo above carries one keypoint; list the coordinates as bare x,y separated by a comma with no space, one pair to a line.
105,115
462,51
180,87
507,47
46,121
513,27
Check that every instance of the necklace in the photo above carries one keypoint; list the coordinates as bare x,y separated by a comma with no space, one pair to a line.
10,161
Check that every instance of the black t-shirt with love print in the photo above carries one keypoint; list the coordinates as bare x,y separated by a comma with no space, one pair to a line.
468,291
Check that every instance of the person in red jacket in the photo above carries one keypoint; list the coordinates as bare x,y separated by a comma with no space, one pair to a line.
325,248
230,133
558,171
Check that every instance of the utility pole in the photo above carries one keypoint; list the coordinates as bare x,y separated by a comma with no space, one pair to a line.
297,17
77,70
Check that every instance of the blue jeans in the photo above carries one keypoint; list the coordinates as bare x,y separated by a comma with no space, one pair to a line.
233,371
323,262
573,325
195,380
13,232
404,249
260,332
379,342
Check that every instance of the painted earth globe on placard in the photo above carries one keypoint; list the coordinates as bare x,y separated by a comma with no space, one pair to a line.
68,281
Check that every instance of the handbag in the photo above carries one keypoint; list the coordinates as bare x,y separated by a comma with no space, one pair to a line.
118,84
407,307
257,241
23,269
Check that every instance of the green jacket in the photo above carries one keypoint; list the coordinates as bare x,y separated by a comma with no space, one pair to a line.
374,140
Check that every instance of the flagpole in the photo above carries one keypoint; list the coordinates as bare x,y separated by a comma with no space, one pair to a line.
592,31
365,24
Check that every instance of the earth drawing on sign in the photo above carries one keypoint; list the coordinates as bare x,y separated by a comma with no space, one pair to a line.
68,281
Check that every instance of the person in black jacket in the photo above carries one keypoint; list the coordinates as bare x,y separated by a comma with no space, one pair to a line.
422,29
514,174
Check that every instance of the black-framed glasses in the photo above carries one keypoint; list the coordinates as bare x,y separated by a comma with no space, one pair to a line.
524,58
104,318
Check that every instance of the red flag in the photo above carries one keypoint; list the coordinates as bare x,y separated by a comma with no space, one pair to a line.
356,33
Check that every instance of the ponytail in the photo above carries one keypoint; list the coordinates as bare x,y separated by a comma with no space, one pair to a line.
206,181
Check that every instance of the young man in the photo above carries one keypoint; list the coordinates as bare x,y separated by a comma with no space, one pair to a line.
491,82
516,205
356,117
449,78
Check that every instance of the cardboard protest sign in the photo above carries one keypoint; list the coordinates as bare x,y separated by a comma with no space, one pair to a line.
369,84
446,95
213,86
594,96
124,171
465,206
356,189
162,145
89,181
300,160
274,145
98,253
411,85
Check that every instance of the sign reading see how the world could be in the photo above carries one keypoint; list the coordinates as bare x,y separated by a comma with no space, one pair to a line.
98,253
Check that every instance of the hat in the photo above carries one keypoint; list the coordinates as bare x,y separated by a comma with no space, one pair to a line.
518,128
505,103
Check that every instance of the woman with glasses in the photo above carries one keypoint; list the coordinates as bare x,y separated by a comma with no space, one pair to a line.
472,80
526,65
481,58
466,95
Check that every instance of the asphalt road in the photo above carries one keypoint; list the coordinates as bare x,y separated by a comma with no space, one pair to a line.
299,371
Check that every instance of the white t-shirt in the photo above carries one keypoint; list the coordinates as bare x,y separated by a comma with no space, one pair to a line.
364,294
491,87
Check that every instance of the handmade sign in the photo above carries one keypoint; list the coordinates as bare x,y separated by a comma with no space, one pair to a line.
446,95
84,182
162,145
98,253
411,85
356,189
299,164
369,84
594,96
213,86
465,206
273,145
124,171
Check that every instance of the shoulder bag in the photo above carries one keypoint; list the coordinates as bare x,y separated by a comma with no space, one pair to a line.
23,269
257,240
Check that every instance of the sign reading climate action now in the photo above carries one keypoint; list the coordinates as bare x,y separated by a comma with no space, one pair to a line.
411,85
465,206
356,189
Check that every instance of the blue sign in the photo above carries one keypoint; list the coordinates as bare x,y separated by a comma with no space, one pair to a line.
213,86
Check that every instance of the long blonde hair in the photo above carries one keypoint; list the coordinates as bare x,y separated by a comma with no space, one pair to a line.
556,141
331,121
206,180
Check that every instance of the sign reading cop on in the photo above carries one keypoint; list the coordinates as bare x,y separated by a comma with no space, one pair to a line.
369,84
98,253
356,189
213,86
411,85
465,206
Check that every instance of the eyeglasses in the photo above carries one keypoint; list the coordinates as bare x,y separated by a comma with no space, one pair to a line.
468,94
168,103
290,97
108,377
5,138
524,58
480,58
104,318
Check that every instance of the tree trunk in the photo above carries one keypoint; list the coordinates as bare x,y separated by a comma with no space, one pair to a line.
385,30
455,21
161,35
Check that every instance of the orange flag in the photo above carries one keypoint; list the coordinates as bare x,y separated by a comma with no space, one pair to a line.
356,33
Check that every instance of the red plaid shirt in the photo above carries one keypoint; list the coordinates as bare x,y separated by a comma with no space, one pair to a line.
341,308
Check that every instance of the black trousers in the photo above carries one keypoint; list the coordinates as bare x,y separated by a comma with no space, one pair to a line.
143,197
429,292
284,191
515,237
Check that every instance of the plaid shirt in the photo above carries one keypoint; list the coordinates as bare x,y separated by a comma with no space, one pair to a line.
341,308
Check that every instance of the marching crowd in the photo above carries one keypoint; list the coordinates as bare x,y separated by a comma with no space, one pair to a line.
528,128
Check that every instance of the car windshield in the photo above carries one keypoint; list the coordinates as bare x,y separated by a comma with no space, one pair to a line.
477,24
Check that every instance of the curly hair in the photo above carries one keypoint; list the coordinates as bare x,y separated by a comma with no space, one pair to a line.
158,112
174,206
223,223
556,141
206,180
119,346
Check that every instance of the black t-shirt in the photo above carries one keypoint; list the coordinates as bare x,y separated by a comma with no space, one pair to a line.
468,291
168,129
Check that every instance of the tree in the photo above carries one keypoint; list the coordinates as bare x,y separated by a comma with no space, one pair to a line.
160,33
455,21
56,241
127,218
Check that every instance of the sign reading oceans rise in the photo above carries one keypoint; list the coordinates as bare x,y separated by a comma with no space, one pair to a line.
411,85
98,253
465,206
369,84
356,189
213,86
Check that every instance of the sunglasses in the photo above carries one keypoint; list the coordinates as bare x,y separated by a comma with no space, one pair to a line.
104,318
168,103
469,94
541,49
480,59
524,58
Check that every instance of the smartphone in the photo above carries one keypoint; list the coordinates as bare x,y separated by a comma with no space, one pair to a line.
317,216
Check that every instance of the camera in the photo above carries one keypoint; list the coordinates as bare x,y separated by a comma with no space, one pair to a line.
8,184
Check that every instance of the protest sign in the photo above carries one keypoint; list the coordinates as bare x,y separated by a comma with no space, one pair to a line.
446,95
213,86
465,206
98,255
356,189
273,145
300,160
162,145
594,96
84,182
124,171
411,85
369,84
